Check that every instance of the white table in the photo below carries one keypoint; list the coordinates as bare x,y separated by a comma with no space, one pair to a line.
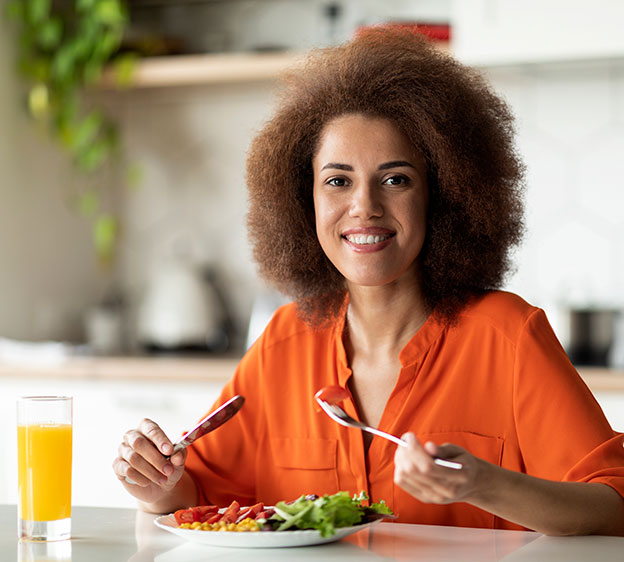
112,535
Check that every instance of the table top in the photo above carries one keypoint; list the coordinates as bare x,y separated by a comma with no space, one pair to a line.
113,534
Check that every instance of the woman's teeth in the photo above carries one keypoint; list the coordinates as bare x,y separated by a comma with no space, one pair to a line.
366,239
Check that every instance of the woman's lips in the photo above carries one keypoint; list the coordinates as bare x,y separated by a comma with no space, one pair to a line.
370,239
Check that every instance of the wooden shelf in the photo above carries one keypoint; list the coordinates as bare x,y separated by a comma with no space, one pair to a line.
195,70
191,70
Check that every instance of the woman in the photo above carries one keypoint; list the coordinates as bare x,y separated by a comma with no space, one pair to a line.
385,198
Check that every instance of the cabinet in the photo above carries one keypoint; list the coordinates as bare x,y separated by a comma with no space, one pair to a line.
104,410
500,32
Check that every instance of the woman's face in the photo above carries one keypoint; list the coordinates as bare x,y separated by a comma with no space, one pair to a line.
370,199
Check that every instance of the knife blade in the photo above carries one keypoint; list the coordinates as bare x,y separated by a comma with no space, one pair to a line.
211,422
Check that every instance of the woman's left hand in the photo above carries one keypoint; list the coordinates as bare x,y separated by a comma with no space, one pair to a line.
418,475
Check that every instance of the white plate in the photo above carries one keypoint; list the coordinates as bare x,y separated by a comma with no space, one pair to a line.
259,539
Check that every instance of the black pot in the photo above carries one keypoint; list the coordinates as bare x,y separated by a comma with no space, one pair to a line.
592,333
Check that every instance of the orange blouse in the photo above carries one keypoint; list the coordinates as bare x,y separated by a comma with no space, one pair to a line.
497,383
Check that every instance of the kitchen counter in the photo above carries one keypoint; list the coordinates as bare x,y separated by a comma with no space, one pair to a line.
217,368
113,535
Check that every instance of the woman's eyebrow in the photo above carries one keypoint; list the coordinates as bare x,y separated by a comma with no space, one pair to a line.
337,166
395,164
384,166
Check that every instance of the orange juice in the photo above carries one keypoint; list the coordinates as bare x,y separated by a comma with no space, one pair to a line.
44,461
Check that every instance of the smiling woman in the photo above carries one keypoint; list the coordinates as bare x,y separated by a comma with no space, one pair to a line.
385,197
370,197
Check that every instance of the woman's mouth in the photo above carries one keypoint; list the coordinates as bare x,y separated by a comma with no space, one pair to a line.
364,239
368,240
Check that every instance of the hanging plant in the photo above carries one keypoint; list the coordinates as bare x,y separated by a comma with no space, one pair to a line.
64,47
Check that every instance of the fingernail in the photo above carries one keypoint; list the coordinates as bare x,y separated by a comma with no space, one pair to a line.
168,469
162,481
165,448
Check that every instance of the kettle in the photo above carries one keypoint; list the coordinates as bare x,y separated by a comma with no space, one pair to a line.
181,311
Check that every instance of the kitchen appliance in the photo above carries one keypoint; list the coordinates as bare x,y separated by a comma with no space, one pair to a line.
591,335
182,311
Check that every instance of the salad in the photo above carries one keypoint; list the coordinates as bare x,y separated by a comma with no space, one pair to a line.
325,514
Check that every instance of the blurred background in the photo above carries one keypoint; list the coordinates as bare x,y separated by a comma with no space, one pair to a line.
180,282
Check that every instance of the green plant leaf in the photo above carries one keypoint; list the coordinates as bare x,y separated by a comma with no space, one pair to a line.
124,68
15,10
37,10
88,203
84,5
39,101
105,233
86,132
93,156
109,12
62,69
50,33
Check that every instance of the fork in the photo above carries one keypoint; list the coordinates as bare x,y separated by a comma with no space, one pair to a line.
337,414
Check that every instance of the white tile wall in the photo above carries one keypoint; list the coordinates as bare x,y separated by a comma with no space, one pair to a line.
191,144
571,137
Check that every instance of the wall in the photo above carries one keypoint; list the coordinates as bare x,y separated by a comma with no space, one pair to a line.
570,123
191,144
48,271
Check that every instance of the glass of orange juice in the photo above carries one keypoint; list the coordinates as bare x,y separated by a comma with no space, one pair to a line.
44,465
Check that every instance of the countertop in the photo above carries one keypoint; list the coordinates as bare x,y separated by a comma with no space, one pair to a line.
112,535
217,368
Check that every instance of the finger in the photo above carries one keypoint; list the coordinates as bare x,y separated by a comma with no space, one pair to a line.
430,491
146,449
179,458
422,490
448,451
156,435
415,454
141,465
126,473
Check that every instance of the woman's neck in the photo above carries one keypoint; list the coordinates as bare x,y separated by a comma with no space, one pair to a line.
383,319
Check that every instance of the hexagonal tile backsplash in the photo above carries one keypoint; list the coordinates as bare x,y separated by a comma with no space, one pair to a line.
570,126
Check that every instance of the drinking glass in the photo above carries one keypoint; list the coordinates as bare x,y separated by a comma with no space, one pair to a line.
44,464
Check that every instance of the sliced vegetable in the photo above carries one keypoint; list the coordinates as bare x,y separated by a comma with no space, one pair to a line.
332,394
199,513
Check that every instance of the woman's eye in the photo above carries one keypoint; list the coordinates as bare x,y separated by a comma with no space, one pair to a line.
337,182
395,180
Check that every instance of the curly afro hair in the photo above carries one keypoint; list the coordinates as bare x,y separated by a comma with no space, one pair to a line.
450,114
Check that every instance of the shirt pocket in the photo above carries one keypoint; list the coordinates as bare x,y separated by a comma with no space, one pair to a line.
305,465
486,447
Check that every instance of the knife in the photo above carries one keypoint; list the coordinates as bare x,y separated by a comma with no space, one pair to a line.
211,422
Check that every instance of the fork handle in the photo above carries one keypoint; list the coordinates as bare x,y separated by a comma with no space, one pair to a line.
440,462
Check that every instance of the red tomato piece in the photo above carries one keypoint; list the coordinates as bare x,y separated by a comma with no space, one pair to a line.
192,514
202,512
250,512
183,516
332,394
231,513
213,518
265,514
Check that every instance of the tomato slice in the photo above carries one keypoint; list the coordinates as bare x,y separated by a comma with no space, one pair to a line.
202,512
332,394
199,513
183,516
250,512
231,513
213,518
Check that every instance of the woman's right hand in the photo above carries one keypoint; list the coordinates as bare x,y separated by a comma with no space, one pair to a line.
142,465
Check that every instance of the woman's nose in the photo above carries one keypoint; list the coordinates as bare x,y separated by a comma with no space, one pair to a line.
365,202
